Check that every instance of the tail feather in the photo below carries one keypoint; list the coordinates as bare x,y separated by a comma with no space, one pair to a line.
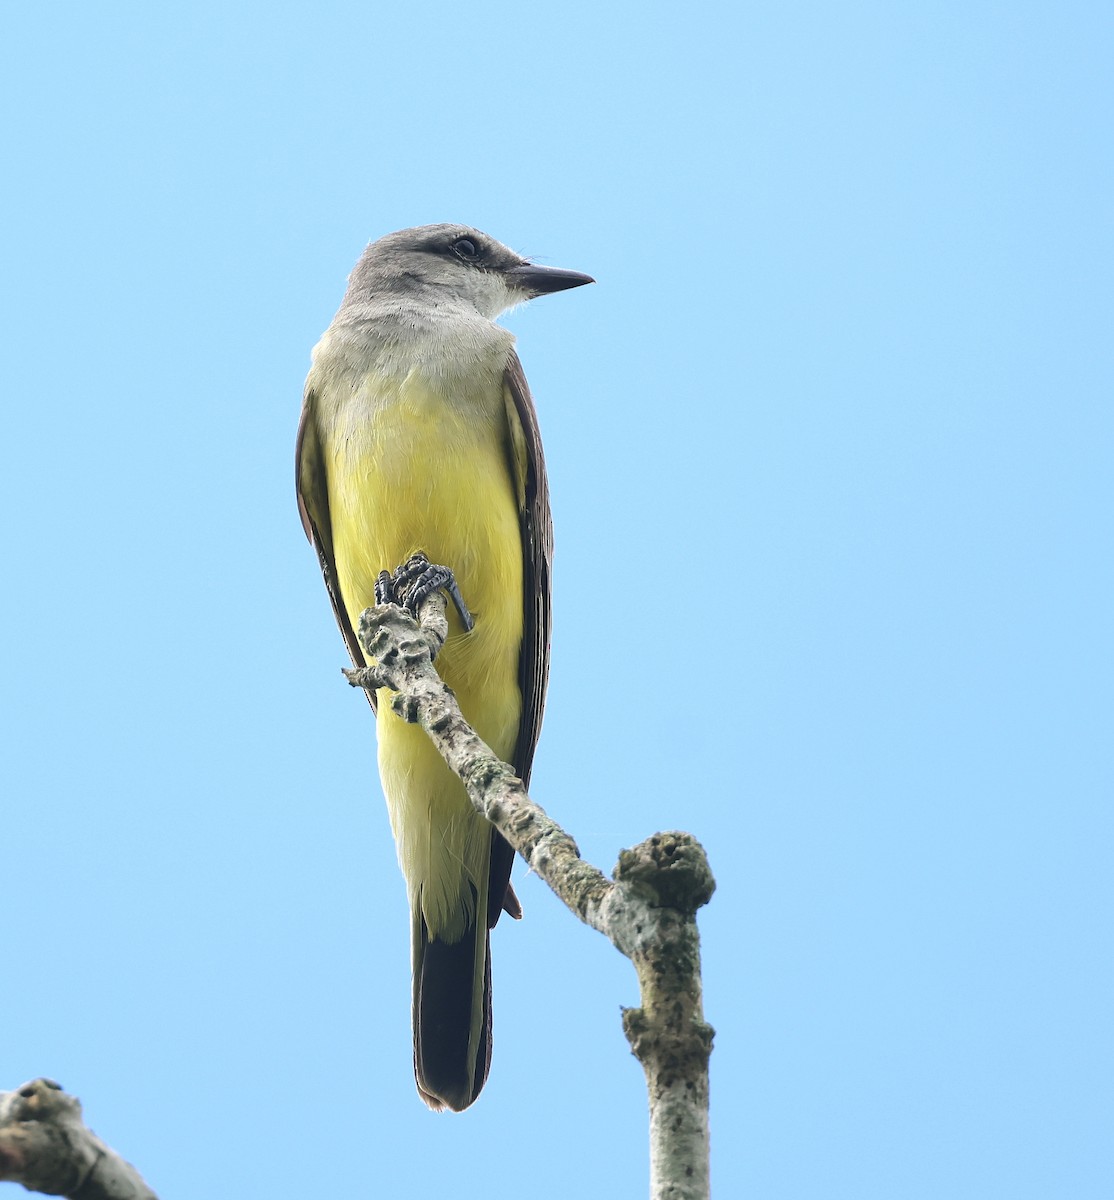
452,1015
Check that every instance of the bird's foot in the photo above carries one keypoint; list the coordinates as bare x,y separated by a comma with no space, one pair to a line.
417,579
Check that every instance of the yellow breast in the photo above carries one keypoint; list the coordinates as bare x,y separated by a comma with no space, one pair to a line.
415,470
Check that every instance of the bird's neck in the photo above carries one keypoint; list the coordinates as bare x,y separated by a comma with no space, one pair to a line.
441,344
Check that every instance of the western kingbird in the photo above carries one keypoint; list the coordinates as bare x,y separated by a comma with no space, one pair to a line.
419,435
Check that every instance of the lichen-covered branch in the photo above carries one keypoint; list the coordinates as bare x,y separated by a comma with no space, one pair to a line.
647,910
45,1145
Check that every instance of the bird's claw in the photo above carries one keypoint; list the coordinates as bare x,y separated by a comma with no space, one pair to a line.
416,579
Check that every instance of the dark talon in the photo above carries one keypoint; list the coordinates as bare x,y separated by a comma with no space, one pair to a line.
436,579
418,578
405,575
384,588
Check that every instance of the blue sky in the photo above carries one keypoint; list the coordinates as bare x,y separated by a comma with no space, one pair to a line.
837,413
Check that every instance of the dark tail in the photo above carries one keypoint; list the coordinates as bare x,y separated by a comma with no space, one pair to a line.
452,1016
452,995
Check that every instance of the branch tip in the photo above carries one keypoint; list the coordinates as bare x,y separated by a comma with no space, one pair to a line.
673,866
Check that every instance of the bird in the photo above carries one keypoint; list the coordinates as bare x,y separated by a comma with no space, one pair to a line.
419,443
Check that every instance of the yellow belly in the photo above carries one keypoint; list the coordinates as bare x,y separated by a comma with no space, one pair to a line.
414,475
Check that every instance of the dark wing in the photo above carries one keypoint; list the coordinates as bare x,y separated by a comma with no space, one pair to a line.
537,556
528,467
313,504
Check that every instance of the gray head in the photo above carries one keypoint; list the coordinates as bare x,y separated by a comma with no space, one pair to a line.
451,266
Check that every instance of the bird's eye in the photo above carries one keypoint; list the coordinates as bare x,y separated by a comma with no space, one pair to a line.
466,248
